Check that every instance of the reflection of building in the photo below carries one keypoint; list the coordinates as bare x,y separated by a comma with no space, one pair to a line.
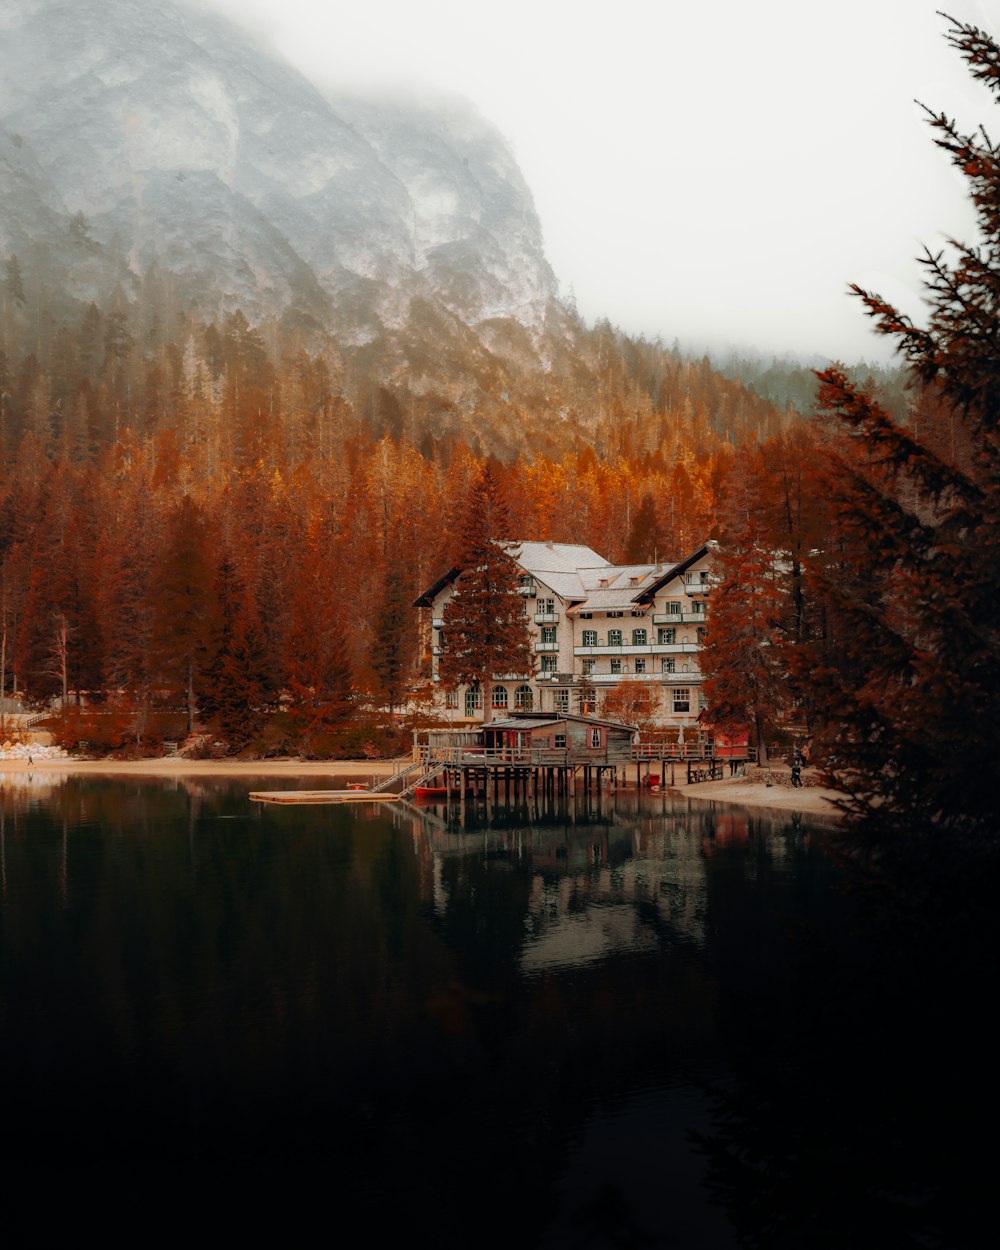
593,626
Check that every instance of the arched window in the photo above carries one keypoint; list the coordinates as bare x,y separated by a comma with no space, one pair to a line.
523,701
473,700
499,698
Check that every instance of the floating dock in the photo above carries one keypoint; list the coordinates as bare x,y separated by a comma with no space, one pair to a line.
322,796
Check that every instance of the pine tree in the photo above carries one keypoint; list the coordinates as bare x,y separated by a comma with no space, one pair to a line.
485,630
643,544
910,573
743,660
234,688
392,645
183,606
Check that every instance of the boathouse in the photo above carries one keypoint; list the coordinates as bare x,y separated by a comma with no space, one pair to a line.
584,739
525,749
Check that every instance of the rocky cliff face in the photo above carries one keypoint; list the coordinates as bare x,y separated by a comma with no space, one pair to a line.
190,151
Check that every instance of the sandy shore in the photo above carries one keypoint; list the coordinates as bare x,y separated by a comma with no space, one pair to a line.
809,799
176,766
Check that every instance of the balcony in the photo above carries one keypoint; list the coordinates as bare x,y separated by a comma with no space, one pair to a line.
436,650
608,679
649,648
546,618
679,618
437,622
551,647
666,679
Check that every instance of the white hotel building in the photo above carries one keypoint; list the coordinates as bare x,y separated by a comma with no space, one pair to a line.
594,625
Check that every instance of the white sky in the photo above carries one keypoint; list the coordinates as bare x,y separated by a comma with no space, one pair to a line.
712,173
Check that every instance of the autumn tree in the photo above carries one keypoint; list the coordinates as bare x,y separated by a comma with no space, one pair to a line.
392,644
643,544
485,629
320,679
911,570
183,607
235,689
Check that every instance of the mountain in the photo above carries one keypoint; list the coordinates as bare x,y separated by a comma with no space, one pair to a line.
144,134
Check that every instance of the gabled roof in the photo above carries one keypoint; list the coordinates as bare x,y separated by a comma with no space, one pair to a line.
556,565
646,596
578,575
426,600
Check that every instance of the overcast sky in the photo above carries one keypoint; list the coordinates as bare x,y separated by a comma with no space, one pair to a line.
713,173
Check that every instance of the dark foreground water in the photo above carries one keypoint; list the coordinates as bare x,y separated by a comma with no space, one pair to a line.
638,1024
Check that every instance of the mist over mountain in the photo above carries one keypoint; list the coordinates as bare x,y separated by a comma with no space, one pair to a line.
186,145
160,165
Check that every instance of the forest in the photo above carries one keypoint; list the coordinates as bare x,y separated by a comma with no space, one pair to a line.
223,520
229,522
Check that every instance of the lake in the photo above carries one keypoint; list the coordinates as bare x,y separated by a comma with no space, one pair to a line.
633,1022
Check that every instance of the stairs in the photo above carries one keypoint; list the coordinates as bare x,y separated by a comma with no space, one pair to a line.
398,783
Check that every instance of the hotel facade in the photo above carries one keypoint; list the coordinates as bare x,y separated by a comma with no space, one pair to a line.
593,625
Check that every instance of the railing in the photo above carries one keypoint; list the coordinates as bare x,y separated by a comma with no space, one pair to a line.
680,679
563,757
639,648
680,618
389,784
644,751
526,757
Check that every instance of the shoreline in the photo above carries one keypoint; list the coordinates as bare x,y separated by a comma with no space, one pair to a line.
808,800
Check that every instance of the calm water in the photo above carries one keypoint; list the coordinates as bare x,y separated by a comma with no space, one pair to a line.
636,1024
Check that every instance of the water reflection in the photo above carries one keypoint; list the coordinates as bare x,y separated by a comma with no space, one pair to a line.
629,1021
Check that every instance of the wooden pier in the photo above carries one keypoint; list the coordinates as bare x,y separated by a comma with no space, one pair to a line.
322,796
514,775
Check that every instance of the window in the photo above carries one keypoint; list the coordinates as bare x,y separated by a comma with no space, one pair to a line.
666,637
673,608
640,664
614,637
559,741
595,736
590,637
681,700
561,701
614,614
522,699
499,696
548,633
586,616
668,665
698,607
588,667
638,637
701,633
548,663
616,666
545,605
451,698
637,613
473,700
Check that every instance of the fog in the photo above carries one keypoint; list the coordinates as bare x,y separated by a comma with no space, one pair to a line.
716,175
